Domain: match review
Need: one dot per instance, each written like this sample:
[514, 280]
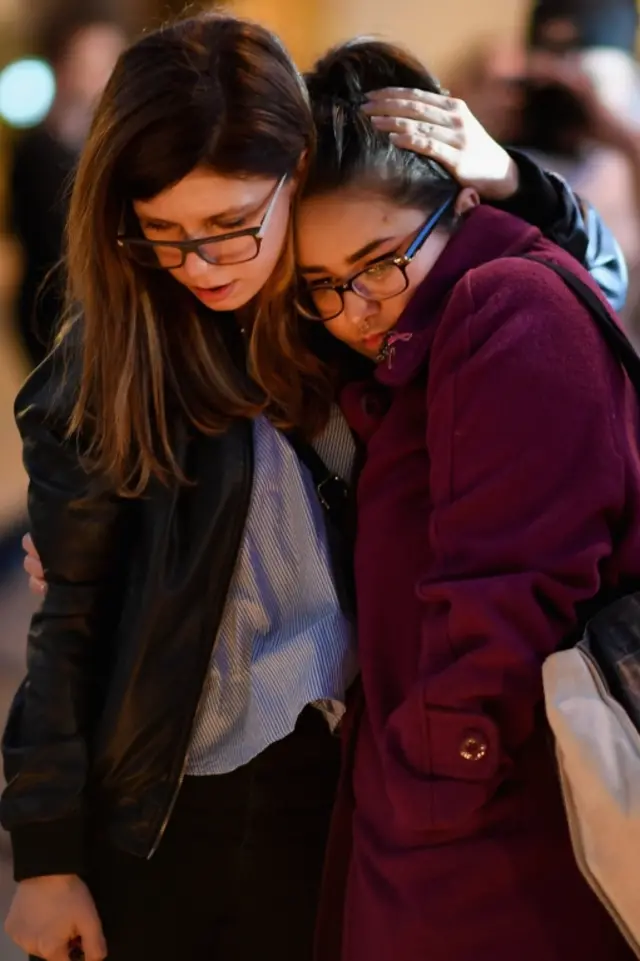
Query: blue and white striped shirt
[283, 641]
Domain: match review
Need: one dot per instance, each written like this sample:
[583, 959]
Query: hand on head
[444, 129]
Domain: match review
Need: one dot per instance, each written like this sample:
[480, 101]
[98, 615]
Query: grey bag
[592, 697]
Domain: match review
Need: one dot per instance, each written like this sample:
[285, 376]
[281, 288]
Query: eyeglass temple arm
[272, 204]
[428, 227]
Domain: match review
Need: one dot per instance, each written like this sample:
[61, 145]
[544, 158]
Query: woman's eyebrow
[352, 258]
[239, 210]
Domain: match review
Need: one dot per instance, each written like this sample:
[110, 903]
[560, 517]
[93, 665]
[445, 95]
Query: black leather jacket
[117, 656]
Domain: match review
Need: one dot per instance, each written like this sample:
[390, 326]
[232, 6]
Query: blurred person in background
[484, 79]
[82, 48]
[570, 98]
[170, 763]
[581, 111]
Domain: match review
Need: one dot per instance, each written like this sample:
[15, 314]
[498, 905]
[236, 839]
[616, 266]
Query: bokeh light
[27, 89]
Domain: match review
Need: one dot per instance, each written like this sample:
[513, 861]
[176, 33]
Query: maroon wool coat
[497, 494]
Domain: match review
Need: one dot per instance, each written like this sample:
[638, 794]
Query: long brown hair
[211, 90]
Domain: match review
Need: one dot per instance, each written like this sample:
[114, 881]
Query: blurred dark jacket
[41, 171]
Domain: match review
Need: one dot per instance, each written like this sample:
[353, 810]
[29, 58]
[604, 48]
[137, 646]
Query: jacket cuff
[48, 847]
[538, 199]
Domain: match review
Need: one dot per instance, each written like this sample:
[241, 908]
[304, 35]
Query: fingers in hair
[419, 129]
[428, 147]
[441, 100]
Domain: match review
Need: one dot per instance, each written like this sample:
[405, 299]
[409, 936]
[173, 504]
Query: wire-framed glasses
[324, 301]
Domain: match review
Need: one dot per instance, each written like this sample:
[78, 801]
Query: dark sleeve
[546, 200]
[78, 529]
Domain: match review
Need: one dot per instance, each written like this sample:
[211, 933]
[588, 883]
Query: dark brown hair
[350, 150]
[214, 91]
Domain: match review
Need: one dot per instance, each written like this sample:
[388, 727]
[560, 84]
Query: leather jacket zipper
[185, 760]
[172, 804]
[212, 629]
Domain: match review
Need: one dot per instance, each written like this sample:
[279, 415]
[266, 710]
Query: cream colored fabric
[598, 751]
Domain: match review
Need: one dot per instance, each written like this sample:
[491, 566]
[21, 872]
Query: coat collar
[486, 234]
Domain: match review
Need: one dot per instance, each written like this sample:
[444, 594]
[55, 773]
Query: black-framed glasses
[236, 247]
[324, 301]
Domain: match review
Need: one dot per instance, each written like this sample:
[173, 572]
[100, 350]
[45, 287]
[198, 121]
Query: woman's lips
[214, 295]
[374, 341]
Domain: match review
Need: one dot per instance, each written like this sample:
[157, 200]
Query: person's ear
[466, 201]
[301, 167]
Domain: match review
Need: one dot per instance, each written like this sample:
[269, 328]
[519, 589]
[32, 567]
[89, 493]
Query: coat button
[474, 747]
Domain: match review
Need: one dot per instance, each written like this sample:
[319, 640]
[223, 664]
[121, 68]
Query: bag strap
[610, 330]
[332, 491]
[624, 351]
[337, 503]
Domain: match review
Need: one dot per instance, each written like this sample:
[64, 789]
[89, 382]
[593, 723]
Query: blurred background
[556, 77]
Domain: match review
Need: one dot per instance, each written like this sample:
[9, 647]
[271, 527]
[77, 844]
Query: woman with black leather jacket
[170, 758]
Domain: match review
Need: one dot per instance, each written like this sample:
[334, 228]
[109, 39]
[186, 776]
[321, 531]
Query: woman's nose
[195, 267]
[358, 309]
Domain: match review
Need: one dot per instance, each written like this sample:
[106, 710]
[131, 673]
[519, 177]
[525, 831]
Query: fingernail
[367, 107]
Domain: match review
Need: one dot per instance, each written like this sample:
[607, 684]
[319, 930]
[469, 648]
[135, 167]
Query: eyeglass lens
[233, 250]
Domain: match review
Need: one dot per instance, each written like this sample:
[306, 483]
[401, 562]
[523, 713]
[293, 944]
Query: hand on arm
[33, 567]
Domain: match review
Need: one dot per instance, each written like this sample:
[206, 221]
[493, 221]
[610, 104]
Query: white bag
[592, 694]
[598, 752]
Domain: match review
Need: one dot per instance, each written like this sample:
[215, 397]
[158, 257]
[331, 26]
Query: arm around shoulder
[547, 201]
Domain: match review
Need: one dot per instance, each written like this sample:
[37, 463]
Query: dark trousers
[237, 874]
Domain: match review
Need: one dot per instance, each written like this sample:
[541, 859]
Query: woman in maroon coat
[501, 490]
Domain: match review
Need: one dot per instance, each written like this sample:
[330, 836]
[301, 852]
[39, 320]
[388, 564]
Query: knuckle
[46, 947]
